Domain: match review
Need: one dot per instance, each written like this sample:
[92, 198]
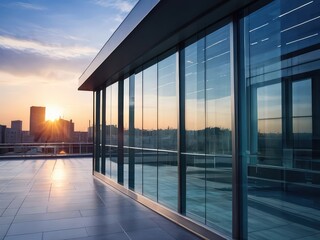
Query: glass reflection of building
[217, 128]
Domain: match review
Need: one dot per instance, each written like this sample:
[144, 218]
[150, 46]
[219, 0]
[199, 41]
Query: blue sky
[45, 45]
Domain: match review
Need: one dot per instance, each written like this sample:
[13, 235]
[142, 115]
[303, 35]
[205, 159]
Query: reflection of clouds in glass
[218, 113]
[301, 98]
[270, 126]
[269, 101]
[302, 125]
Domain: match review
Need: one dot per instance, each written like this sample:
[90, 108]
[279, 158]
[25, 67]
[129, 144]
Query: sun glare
[52, 113]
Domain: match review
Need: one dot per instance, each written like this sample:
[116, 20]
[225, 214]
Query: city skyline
[44, 47]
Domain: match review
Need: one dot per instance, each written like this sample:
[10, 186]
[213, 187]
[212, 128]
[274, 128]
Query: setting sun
[52, 113]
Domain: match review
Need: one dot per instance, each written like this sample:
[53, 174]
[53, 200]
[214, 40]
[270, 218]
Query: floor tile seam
[124, 231]
[43, 220]
[14, 217]
[78, 228]
[22, 234]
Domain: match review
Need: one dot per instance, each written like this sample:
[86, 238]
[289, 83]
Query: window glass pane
[149, 134]
[114, 131]
[208, 145]
[301, 98]
[218, 131]
[126, 112]
[138, 132]
[167, 104]
[195, 98]
[167, 132]
[126, 132]
[194, 132]
[279, 119]
[108, 131]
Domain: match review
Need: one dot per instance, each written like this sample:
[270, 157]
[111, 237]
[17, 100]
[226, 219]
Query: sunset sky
[45, 45]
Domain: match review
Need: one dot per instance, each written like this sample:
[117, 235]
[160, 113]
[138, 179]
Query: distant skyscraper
[37, 122]
[14, 134]
[2, 134]
[16, 125]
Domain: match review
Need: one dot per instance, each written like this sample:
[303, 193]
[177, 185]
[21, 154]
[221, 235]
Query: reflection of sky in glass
[270, 126]
[167, 101]
[286, 26]
[302, 125]
[114, 113]
[108, 113]
[138, 108]
[150, 98]
[301, 98]
[269, 101]
[126, 104]
[194, 86]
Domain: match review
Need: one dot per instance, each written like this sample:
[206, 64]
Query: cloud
[52, 51]
[28, 6]
[21, 68]
[122, 5]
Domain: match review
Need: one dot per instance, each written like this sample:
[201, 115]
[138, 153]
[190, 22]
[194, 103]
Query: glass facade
[227, 149]
[280, 112]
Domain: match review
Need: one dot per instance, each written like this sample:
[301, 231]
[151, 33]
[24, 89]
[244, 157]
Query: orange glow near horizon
[53, 113]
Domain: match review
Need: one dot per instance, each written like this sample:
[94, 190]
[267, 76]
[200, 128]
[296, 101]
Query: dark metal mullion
[103, 139]
[131, 159]
[120, 132]
[182, 166]
[157, 137]
[205, 125]
[94, 110]
[97, 132]
[239, 190]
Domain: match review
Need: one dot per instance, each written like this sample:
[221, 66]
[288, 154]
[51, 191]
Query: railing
[8, 150]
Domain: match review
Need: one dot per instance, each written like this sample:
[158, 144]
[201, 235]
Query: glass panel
[138, 132]
[301, 99]
[167, 132]
[126, 105]
[108, 131]
[208, 146]
[302, 123]
[279, 127]
[149, 134]
[114, 131]
[269, 108]
[126, 112]
[194, 139]
[218, 131]
[196, 187]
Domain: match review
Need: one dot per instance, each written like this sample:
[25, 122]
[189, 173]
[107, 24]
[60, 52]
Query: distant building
[14, 134]
[37, 122]
[90, 134]
[58, 131]
[26, 137]
[2, 133]
[17, 125]
[80, 136]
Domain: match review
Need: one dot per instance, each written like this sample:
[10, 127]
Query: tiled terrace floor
[59, 199]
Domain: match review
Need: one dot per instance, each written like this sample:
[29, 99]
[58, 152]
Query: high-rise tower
[37, 122]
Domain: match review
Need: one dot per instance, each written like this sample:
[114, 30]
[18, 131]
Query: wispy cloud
[122, 5]
[52, 51]
[28, 6]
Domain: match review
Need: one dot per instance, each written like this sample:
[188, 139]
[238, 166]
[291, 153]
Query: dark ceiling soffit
[162, 28]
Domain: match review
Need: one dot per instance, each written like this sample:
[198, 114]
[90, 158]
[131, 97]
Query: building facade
[37, 122]
[14, 134]
[211, 116]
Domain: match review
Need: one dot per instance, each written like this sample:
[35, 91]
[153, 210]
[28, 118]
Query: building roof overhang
[152, 27]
